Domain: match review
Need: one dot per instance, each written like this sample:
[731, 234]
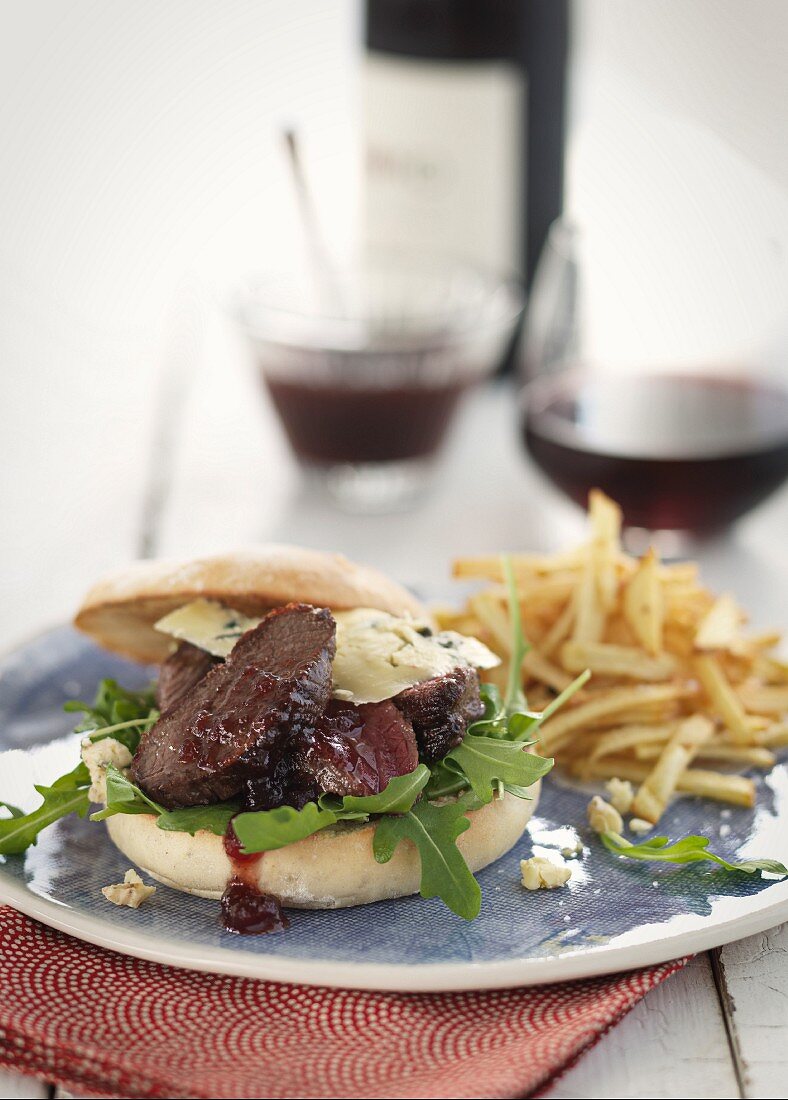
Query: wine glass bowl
[366, 375]
[685, 445]
[688, 452]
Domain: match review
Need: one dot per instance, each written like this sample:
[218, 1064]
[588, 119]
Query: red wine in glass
[333, 423]
[678, 452]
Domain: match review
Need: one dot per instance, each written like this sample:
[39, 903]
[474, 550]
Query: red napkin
[107, 1025]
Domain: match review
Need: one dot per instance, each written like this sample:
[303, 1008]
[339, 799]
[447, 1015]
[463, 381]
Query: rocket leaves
[116, 712]
[691, 849]
[483, 760]
[434, 829]
[67, 795]
[124, 797]
[264, 830]
[427, 808]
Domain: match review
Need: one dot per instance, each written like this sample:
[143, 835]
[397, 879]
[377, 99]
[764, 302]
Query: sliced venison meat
[233, 726]
[441, 710]
[353, 750]
[182, 671]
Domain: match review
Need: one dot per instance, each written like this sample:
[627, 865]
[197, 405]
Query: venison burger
[313, 742]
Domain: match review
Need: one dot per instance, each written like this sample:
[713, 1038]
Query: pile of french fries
[680, 699]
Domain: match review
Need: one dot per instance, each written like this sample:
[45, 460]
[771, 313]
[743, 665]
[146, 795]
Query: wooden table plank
[15, 1087]
[672, 1044]
[753, 975]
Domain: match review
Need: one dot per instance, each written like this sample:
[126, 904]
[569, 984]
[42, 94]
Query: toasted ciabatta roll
[120, 610]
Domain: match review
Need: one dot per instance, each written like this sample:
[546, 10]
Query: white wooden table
[109, 451]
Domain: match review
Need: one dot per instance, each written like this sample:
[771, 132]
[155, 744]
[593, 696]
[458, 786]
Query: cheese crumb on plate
[540, 873]
[604, 818]
[621, 794]
[131, 892]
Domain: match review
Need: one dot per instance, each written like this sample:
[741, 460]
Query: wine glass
[686, 426]
[368, 380]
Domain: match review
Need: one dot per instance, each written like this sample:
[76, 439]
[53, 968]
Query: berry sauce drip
[243, 862]
[245, 910]
[248, 912]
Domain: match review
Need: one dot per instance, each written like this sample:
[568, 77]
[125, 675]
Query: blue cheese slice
[207, 624]
[378, 655]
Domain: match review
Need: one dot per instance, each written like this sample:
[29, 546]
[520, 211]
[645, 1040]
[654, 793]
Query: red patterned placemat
[106, 1024]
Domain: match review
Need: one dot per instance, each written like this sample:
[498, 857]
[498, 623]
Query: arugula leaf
[396, 798]
[124, 797]
[496, 722]
[265, 830]
[445, 779]
[517, 790]
[485, 759]
[692, 849]
[112, 704]
[116, 712]
[77, 777]
[434, 830]
[128, 733]
[68, 794]
[567, 693]
[515, 696]
[520, 724]
[213, 819]
[13, 810]
[491, 753]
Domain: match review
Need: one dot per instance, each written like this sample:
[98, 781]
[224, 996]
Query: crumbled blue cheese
[97, 755]
[604, 818]
[540, 873]
[131, 892]
[621, 793]
[378, 655]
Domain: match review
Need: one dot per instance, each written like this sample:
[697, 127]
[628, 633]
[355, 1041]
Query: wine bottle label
[444, 157]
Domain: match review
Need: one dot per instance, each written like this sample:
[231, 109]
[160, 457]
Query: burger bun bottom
[331, 869]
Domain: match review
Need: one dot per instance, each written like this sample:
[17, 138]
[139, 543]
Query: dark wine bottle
[464, 104]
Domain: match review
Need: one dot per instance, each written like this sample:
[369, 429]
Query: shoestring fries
[676, 680]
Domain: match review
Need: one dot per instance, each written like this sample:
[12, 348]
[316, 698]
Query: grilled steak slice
[182, 671]
[441, 710]
[353, 750]
[234, 724]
